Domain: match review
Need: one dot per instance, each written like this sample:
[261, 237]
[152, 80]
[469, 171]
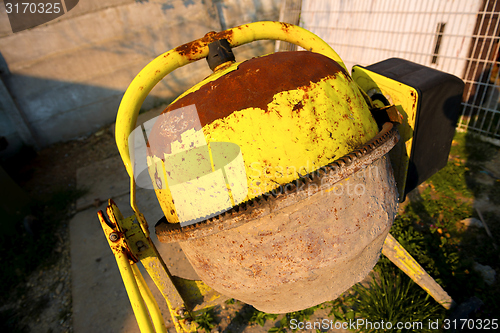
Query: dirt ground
[54, 168]
[42, 303]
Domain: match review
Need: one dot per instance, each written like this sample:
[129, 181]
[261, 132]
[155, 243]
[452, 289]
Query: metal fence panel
[460, 37]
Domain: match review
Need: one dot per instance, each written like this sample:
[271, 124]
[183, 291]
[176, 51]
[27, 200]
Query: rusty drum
[319, 196]
[304, 245]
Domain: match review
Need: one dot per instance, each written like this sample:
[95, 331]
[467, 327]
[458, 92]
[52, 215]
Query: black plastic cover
[438, 109]
[219, 52]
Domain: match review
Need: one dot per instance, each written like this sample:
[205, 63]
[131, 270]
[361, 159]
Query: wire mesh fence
[289, 13]
[460, 37]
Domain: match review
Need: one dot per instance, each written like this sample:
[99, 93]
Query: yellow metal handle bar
[164, 64]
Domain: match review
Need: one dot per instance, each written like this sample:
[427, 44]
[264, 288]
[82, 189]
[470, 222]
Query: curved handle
[167, 62]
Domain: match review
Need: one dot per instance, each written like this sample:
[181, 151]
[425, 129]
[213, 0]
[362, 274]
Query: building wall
[364, 32]
[67, 77]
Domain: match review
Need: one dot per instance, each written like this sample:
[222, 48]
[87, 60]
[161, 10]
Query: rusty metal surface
[305, 252]
[252, 85]
[288, 113]
[287, 194]
[305, 246]
[192, 49]
[387, 114]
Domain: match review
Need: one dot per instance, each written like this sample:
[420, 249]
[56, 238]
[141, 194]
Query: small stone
[101, 132]
[59, 288]
[466, 308]
[472, 222]
[486, 272]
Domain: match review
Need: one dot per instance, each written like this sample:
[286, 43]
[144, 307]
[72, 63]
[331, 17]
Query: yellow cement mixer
[274, 175]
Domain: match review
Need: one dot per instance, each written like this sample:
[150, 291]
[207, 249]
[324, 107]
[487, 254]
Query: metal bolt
[114, 237]
[181, 312]
[141, 246]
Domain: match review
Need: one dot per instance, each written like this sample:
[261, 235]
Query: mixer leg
[401, 258]
[185, 298]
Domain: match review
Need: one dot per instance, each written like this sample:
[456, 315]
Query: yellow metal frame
[130, 245]
[401, 258]
[406, 100]
[129, 238]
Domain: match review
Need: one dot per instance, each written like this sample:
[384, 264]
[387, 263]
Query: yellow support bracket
[184, 298]
[405, 99]
[396, 253]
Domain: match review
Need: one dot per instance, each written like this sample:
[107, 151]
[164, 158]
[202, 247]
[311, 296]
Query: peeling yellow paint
[287, 141]
[301, 131]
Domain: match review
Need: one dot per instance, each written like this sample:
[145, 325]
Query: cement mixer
[279, 176]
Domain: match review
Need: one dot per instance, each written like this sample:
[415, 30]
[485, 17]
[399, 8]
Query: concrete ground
[100, 302]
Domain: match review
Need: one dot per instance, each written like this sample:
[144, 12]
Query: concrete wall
[67, 77]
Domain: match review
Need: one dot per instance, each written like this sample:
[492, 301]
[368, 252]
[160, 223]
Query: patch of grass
[206, 321]
[474, 152]
[393, 297]
[436, 247]
[260, 317]
[430, 230]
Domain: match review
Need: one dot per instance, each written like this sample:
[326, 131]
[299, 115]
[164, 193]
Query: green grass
[393, 297]
[206, 321]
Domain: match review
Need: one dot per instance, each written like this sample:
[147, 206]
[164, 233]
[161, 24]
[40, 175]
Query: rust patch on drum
[252, 85]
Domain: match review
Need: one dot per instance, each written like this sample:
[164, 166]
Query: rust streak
[191, 49]
[250, 87]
